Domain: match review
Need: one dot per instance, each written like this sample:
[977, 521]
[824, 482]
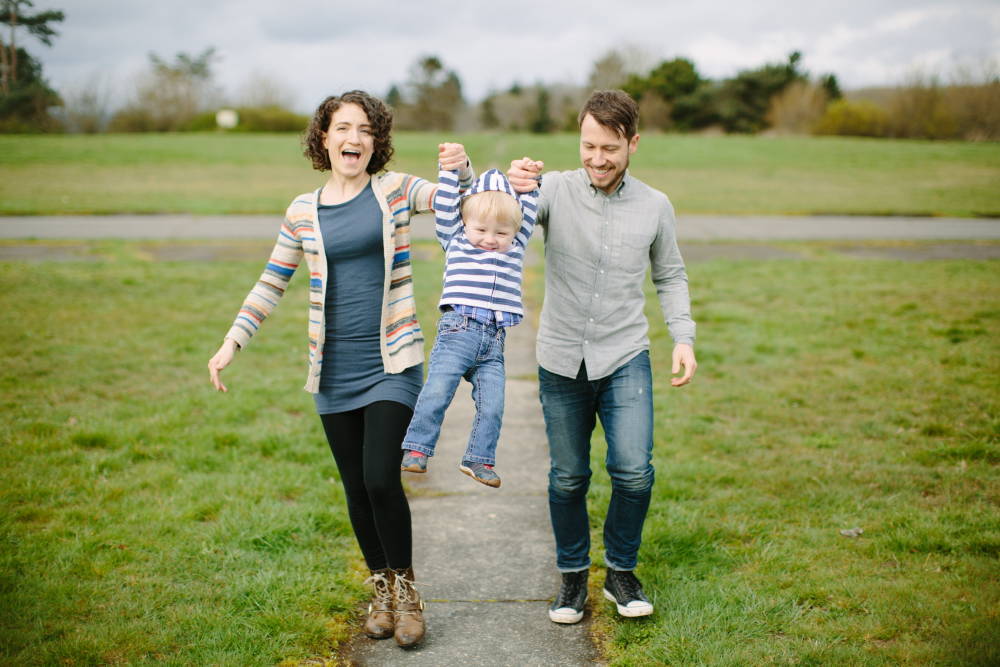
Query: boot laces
[406, 591]
[380, 583]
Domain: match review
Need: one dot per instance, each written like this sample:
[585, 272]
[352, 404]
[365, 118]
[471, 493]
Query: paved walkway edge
[485, 558]
[690, 227]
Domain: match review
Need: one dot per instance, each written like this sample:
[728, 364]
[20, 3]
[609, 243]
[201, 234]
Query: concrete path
[689, 227]
[485, 558]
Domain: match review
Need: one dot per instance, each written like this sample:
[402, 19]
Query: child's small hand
[452, 156]
[524, 174]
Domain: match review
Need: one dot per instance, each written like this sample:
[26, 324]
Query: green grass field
[146, 519]
[218, 174]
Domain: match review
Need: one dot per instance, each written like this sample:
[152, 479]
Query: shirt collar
[618, 190]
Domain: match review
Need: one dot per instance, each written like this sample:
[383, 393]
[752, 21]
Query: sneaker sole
[560, 616]
[412, 469]
[494, 483]
[630, 612]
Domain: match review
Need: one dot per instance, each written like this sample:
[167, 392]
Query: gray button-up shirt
[598, 248]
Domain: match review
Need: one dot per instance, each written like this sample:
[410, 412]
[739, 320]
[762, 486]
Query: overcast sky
[320, 48]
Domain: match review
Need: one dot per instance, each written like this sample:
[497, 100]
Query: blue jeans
[624, 403]
[464, 348]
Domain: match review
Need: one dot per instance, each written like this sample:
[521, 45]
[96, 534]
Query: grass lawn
[832, 394]
[218, 174]
[144, 518]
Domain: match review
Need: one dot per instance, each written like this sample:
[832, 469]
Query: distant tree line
[781, 97]
[673, 96]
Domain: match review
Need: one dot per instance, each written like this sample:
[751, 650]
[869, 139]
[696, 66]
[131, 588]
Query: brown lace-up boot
[408, 609]
[380, 622]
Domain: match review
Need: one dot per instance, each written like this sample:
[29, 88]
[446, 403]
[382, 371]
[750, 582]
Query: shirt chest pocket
[632, 250]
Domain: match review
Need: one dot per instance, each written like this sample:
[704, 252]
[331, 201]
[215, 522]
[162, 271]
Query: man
[603, 230]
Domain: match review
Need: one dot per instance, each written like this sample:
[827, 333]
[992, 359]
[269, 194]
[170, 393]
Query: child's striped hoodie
[474, 277]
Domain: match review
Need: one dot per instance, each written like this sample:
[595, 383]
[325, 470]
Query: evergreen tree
[541, 121]
[742, 102]
[432, 99]
[25, 96]
[488, 114]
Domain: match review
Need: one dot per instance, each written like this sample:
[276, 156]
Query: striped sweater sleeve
[529, 212]
[270, 287]
[422, 193]
[447, 220]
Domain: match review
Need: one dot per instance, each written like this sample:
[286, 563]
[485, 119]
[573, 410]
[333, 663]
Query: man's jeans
[465, 348]
[624, 402]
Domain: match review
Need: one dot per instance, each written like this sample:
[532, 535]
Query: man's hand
[683, 356]
[524, 174]
[452, 156]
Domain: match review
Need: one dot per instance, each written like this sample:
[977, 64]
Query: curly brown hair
[379, 116]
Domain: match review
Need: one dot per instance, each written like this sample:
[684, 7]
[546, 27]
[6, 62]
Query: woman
[365, 345]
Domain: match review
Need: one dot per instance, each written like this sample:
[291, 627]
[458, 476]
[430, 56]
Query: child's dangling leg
[413, 461]
[453, 353]
[488, 392]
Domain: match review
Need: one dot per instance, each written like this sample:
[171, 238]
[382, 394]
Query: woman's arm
[261, 300]
[421, 192]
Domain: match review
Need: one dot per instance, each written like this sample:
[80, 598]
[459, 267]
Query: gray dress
[353, 374]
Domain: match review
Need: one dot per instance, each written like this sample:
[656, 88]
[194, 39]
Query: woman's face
[349, 141]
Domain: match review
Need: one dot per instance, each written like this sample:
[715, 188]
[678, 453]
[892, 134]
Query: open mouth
[351, 156]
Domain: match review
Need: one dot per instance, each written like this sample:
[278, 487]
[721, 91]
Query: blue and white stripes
[474, 276]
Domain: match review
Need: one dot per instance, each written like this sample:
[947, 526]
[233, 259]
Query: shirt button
[586, 342]
[597, 296]
[591, 319]
[602, 271]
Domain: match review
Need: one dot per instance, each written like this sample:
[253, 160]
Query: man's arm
[670, 279]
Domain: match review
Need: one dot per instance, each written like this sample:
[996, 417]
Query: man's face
[604, 154]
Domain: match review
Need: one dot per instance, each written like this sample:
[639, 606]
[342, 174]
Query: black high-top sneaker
[622, 588]
[568, 605]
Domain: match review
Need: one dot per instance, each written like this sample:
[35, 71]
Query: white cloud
[318, 47]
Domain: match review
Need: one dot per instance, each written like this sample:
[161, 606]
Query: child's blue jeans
[465, 348]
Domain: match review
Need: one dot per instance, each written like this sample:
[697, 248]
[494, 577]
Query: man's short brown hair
[613, 109]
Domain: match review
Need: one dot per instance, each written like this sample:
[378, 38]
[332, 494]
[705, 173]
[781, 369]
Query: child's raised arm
[446, 218]
[529, 211]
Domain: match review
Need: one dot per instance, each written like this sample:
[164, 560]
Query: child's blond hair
[492, 205]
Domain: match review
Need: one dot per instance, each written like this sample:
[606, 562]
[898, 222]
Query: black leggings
[366, 445]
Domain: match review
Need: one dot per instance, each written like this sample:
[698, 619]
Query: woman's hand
[221, 359]
[524, 174]
[452, 156]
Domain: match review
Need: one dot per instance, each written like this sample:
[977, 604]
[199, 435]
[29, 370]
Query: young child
[484, 234]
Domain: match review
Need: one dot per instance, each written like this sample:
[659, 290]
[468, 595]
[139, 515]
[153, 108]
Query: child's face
[489, 234]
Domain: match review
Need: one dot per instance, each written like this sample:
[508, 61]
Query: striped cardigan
[401, 340]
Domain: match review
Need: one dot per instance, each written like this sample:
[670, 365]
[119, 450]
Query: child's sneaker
[413, 461]
[481, 472]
